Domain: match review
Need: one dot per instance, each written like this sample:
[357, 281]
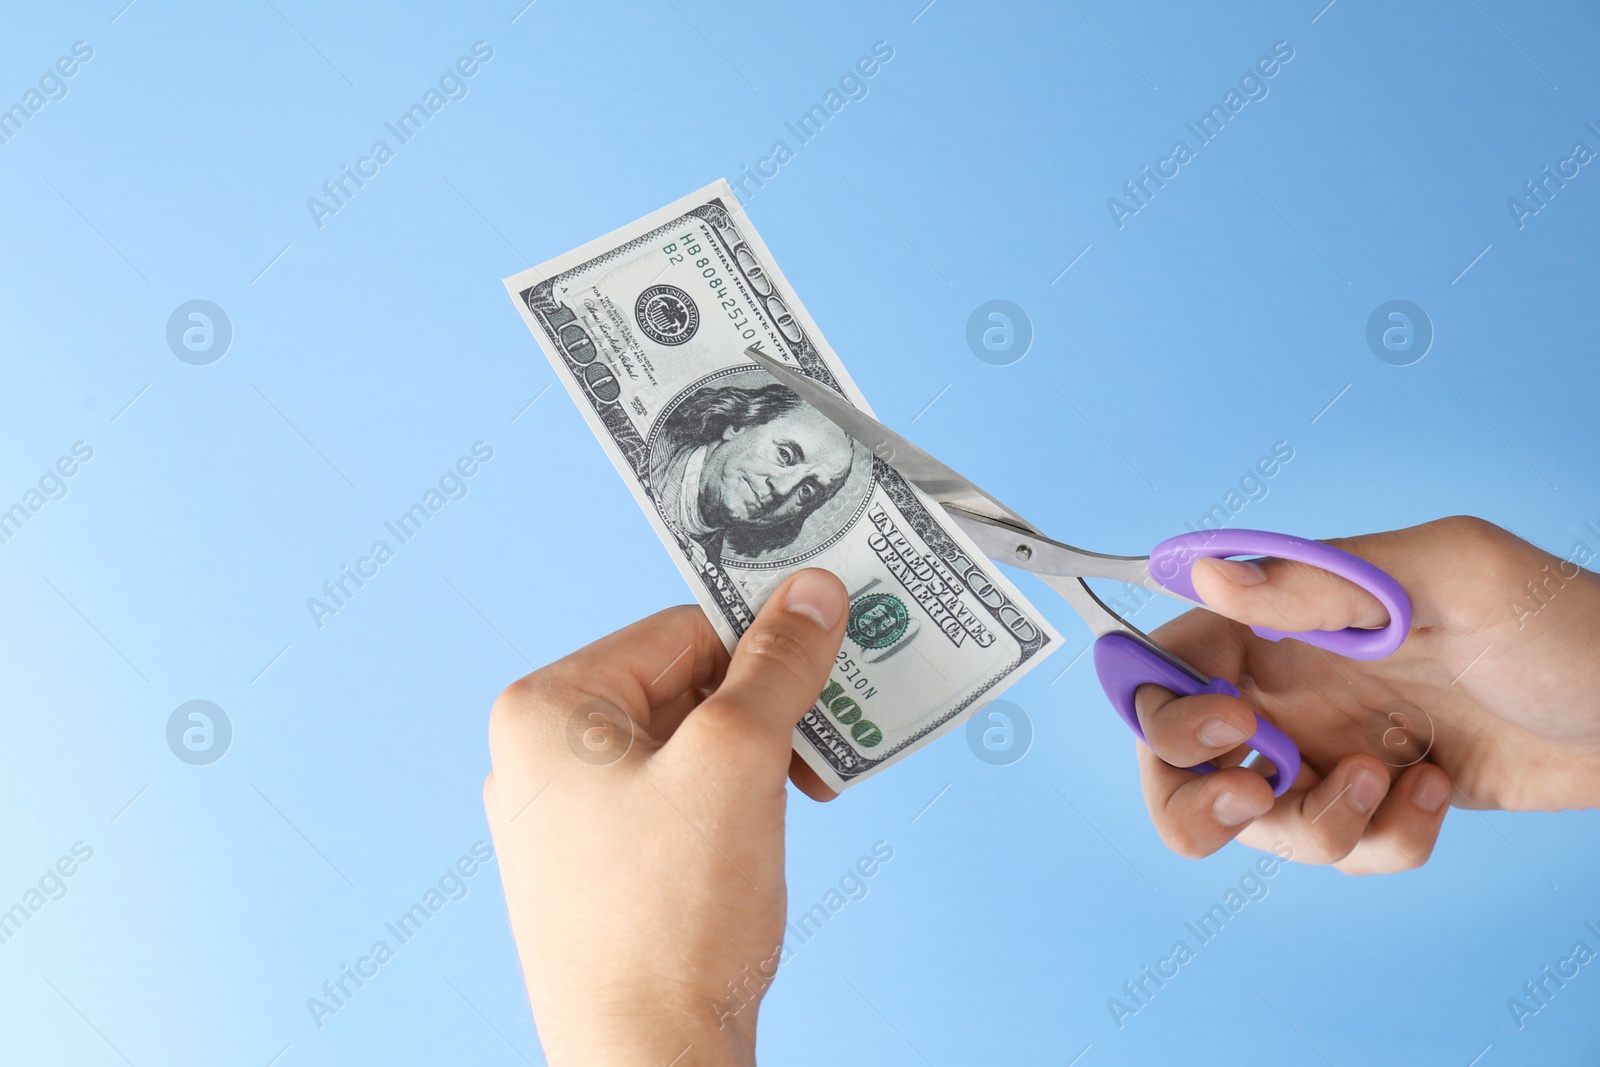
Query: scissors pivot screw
[1024, 553]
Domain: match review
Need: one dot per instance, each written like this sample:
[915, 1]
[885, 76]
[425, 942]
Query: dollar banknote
[646, 327]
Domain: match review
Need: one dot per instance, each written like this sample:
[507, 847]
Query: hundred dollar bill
[646, 327]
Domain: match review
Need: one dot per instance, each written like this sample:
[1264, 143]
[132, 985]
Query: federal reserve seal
[877, 620]
[667, 314]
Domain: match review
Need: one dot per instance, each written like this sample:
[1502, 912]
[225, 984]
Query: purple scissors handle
[1172, 564]
[1124, 663]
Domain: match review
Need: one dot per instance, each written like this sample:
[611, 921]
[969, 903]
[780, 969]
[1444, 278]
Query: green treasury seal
[877, 620]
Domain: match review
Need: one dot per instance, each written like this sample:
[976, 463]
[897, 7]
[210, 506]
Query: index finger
[639, 668]
[1196, 814]
[1285, 595]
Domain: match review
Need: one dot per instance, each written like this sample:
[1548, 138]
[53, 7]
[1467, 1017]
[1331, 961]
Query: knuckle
[1476, 537]
[1374, 857]
[1360, 868]
[725, 736]
[1478, 543]
[1324, 600]
[1158, 738]
[514, 704]
[1176, 738]
[1149, 698]
[679, 616]
[1159, 723]
[1411, 853]
[725, 729]
[775, 646]
[1470, 531]
[1330, 843]
[1193, 850]
[1185, 840]
[1174, 745]
[520, 716]
[1492, 559]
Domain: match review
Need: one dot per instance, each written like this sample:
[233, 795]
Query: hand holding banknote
[647, 329]
[637, 804]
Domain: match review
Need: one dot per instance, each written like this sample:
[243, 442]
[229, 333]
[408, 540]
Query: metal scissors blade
[988, 522]
[919, 468]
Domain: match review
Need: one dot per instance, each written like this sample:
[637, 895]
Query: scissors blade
[934, 478]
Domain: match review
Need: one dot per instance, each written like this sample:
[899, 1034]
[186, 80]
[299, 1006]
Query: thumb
[1285, 595]
[778, 668]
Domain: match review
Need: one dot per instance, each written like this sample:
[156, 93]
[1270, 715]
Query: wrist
[654, 1026]
[652, 1038]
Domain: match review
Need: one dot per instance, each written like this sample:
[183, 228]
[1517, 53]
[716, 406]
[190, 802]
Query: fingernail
[1366, 789]
[817, 596]
[1231, 809]
[1239, 571]
[1430, 792]
[1217, 733]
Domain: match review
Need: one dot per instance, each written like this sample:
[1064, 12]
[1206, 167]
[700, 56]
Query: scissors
[1124, 656]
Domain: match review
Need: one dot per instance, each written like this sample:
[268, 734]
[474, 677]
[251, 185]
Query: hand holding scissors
[1125, 657]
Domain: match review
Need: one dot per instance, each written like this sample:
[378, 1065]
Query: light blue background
[379, 347]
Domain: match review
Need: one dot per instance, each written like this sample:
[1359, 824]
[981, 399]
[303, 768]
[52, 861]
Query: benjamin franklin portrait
[739, 464]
